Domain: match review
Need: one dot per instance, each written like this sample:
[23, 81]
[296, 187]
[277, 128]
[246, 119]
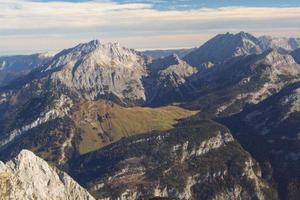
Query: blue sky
[46, 25]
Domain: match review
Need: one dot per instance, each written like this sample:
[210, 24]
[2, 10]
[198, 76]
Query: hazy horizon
[30, 26]
[55, 51]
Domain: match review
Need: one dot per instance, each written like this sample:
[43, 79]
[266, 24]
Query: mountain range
[214, 122]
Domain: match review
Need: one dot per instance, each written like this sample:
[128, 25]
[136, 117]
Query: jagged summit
[30, 177]
[96, 45]
[241, 35]
[96, 51]
[223, 47]
[95, 70]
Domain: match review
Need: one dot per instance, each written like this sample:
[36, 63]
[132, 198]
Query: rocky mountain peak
[236, 36]
[95, 70]
[24, 157]
[223, 47]
[246, 44]
[30, 177]
[94, 52]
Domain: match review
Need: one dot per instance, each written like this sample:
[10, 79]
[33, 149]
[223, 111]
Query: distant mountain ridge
[168, 52]
[12, 67]
[288, 44]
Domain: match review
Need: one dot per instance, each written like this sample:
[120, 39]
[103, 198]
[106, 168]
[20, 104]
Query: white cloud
[53, 25]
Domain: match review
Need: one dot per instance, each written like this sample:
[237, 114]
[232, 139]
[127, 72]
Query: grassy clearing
[102, 123]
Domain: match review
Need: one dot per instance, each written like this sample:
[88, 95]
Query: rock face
[12, 67]
[223, 47]
[273, 127]
[29, 177]
[288, 44]
[94, 70]
[200, 161]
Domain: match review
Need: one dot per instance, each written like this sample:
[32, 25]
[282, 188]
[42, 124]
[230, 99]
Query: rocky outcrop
[200, 161]
[29, 177]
